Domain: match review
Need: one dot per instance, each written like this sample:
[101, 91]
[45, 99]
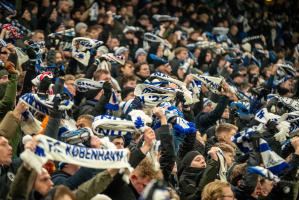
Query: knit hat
[139, 52]
[120, 50]
[79, 26]
[187, 160]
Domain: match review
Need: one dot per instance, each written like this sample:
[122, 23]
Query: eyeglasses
[4, 52]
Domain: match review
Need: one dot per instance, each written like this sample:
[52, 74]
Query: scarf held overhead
[51, 149]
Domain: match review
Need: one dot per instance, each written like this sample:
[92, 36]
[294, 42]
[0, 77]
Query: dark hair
[138, 66]
[126, 79]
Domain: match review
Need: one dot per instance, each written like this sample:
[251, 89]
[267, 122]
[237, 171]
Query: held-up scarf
[180, 84]
[271, 160]
[287, 124]
[44, 106]
[212, 83]
[51, 149]
[81, 47]
[114, 126]
[223, 165]
[290, 103]
[84, 85]
[151, 95]
[263, 172]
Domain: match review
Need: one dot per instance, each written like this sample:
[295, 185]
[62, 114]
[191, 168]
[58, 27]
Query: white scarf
[212, 83]
[286, 124]
[81, 47]
[110, 125]
[223, 165]
[181, 85]
[149, 95]
[51, 149]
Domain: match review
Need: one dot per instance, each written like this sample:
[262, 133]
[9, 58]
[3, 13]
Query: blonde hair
[145, 169]
[213, 190]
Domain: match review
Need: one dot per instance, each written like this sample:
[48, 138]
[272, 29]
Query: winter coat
[7, 176]
[205, 120]
[8, 101]
[24, 181]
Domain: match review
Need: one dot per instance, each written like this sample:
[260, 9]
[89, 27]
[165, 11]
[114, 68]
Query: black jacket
[205, 120]
[7, 175]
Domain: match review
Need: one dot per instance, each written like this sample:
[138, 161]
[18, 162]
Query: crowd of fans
[203, 94]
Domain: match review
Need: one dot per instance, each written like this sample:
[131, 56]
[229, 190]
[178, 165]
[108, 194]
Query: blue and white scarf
[114, 126]
[81, 49]
[181, 85]
[263, 172]
[212, 83]
[51, 149]
[242, 139]
[176, 117]
[271, 160]
[290, 103]
[44, 106]
[152, 94]
[84, 85]
[287, 124]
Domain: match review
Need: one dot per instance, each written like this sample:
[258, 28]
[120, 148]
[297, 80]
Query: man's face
[65, 6]
[138, 182]
[5, 152]
[131, 83]
[129, 35]
[94, 34]
[113, 43]
[166, 69]
[105, 77]
[227, 135]
[183, 55]
[129, 96]
[58, 57]
[128, 70]
[43, 183]
[198, 162]
[141, 58]
[38, 37]
[144, 71]
[4, 53]
[83, 122]
[119, 143]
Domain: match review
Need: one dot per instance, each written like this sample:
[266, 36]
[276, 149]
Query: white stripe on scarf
[51, 149]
